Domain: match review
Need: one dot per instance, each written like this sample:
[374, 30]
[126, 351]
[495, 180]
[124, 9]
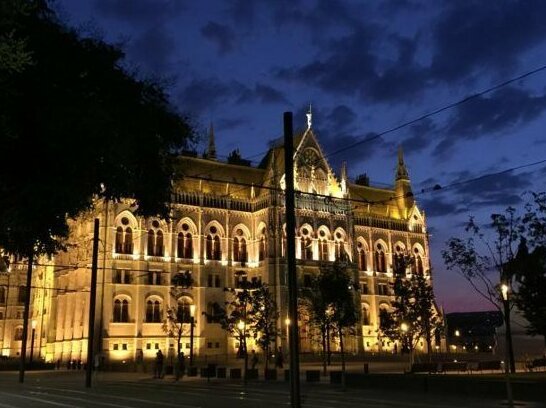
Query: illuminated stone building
[227, 225]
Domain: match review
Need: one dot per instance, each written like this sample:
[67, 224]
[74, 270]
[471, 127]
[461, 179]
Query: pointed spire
[211, 150]
[401, 170]
[309, 115]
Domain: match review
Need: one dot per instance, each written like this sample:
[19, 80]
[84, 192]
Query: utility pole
[25, 316]
[291, 260]
[92, 303]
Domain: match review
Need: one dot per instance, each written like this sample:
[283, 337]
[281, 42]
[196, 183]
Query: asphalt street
[121, 390]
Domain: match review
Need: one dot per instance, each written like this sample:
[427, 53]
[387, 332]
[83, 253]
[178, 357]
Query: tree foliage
[253, 305]
[73, 121]
[413, 314]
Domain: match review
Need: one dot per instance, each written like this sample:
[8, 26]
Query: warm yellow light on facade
[192, 310]
[287, 321]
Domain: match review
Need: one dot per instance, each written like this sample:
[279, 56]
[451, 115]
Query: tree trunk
[428, 340]
[324, 357]
[328, 350]
[342, 358]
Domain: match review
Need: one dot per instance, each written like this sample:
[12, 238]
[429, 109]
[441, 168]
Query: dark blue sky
[365, 67]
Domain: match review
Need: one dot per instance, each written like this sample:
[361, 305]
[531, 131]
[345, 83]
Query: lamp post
[404, 328]
[508, 364]
[192, 325]
[241, 325]
[34, 322]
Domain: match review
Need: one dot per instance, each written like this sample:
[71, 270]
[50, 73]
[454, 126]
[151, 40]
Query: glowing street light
[457, 333]
[404, 327]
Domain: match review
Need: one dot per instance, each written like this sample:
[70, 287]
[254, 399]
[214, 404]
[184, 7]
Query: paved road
[116, 390]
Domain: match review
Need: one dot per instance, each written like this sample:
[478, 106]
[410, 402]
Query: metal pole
[291, 260]
[509, 345]
[92, 305]
[508, 362]
[192, 325]
[25, 317]
[31, 348]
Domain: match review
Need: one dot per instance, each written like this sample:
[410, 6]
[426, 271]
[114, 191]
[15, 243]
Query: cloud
[262, 93]
[153, 49]
[219, 34]
[420, 136]
[481, 117]
[140, 11]
[230, 123]
[477, 35]
[204, 93]
[341, 117]
[350, 67]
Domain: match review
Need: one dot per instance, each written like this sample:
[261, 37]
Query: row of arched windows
[380, 258]
[154, 311]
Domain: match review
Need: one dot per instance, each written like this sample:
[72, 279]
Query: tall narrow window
[323, 247]
[188, 246]
[128, 241]
[362, 264]
[21, 294]
[159, 248]
[380, 262]
[121, 311]
[153, 311]
[262, 249]
[236, 252]
[2, 295]
[209, 247]
[183, 311]
[119, 240]
[217, 254]
[306, 249]
[365, 316]
[419, 264]
[151, 242]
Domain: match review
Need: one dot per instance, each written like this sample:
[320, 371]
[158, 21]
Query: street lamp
[33, 323]
[192, 325]
[509, 356]
[241, 325]
[287, 323]
[457, 333]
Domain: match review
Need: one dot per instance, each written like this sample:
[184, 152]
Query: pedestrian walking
[180, 366]
[158, 365]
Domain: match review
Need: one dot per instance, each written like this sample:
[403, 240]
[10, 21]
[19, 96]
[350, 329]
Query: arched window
[306, 248]
[151, 242]
[380, 259]
[121, 311]
[155, 240]
[119, 240]
[184, 245]
[209, 247]
[217, 252]
[419, 264]
[366, 315]
[18, 335]
[362, 263]
[153, 311]
[128, 241]
[262, 249]
[239, 250]
[399, 262]
[183, 312]
[339, 246]
[188, 246]
[323, 249]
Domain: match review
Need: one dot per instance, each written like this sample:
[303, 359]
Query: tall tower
[211, 150]
[402, 186]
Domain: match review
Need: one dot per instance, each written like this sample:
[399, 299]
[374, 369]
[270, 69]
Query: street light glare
[404, 327]
[241, 325]
[504, 291]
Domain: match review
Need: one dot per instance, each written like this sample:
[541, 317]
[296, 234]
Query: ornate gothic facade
[227, 225]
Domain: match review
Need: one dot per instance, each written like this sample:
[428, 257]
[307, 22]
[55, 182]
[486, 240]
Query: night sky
[365, 67]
